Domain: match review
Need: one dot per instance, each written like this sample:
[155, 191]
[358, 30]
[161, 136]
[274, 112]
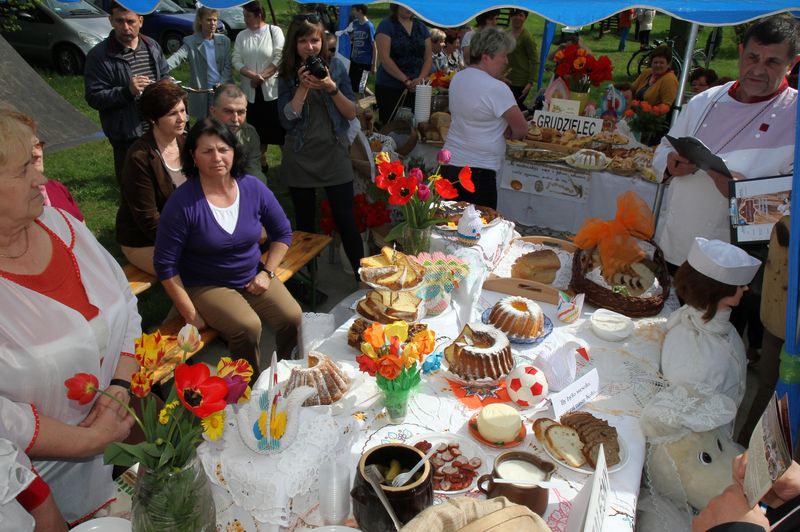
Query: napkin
[559, 366]
[569, 309]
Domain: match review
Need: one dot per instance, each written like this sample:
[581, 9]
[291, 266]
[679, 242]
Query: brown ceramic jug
[534, 497]
[407, 501]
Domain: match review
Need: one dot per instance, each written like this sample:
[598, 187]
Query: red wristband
[34, 495]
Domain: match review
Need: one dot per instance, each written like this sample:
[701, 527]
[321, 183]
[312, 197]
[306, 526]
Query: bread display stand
[602, 297]
[525, 287]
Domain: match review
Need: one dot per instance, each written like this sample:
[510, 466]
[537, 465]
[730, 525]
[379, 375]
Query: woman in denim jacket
[315, 112]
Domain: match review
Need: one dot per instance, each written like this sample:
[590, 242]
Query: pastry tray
[524, 287]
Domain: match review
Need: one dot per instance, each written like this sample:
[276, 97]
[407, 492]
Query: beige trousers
[142, 258]
[238, 315]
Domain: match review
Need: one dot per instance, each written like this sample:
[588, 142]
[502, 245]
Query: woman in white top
[702, 344]
[65, 308]
[256, 55]
[484, 114]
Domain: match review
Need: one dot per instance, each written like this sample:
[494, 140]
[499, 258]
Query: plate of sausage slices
[457, 462]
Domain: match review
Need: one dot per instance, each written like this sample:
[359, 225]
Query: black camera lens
[316, 66]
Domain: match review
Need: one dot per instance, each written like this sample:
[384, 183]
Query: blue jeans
[623, 36]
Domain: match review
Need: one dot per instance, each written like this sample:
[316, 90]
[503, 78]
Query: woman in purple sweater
[207, 255]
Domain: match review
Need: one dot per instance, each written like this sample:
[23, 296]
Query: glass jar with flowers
[581, 71]
[646, 120]
[418, 197]
[440, 81]
[172, 490]
[395, 360]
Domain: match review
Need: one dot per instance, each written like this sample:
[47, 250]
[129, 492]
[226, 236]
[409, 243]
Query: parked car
[231, 17]
[59, 33]
[167, 24]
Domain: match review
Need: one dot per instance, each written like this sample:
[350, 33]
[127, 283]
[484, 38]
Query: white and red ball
[526, 385]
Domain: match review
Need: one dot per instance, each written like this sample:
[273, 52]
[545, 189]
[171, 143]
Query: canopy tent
[59, 124]
[705, 12]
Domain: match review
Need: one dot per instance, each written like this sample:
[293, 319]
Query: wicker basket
[601, 297]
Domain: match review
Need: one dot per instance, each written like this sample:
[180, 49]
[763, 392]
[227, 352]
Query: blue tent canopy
[450, 13]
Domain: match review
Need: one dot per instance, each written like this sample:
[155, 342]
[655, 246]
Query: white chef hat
[722, 262]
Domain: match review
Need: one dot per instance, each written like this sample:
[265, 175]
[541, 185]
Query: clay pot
[407, 501]
[533, 497]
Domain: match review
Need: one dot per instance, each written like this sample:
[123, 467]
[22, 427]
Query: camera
[316, 66]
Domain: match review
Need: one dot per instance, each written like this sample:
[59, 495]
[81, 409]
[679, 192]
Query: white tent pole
[676, 106]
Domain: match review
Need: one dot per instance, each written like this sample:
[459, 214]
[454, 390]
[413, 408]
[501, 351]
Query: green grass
[88, 169]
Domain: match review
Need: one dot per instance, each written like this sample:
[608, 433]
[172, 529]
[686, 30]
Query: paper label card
[590, 505]
[583, 125]
[569, 107]
[576, 394]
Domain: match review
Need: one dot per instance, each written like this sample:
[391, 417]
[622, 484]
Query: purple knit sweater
[191, 243]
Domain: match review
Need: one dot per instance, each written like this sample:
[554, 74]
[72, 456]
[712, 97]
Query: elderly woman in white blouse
[209, 56]
[256, 55]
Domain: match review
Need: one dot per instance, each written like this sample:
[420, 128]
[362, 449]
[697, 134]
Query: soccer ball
[526, 385]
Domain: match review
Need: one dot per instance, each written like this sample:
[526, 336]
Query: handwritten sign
[543, 179]
[568, 107]
[590, 506]
[583, 125]
[576, 394]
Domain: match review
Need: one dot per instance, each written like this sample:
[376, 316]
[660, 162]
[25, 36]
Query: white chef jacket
[711, 352]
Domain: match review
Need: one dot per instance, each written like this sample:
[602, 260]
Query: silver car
[59, 33]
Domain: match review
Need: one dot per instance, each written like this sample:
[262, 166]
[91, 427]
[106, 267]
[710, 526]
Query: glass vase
[175, 500]
[396, 403]
[414, 240]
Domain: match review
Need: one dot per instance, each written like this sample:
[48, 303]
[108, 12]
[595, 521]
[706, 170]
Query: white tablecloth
[628, 378]
[596, 199]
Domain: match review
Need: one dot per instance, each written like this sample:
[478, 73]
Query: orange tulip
[141, 383]
[646, 107]
[579, 63]
[425, 341]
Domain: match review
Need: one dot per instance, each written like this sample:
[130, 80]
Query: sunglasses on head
[307, 17]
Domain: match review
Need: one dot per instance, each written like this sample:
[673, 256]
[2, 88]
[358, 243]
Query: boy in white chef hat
[701, 344]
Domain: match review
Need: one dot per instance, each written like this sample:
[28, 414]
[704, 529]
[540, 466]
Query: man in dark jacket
[117, 70]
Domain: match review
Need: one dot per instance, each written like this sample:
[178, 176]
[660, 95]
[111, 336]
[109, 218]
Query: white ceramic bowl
[611, 326]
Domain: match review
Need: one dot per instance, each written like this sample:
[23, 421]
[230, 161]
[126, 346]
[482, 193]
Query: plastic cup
[334, 493]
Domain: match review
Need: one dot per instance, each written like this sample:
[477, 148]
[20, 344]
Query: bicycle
[641, 58]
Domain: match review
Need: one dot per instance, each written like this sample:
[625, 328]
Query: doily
[264, 485]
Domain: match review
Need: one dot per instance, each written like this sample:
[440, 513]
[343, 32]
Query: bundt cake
[480, 352]
[328, 380]
[518, 316]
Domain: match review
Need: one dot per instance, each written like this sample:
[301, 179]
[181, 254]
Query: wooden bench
[304, 249]
[138, 280]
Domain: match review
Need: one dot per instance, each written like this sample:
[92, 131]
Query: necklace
[24, 251]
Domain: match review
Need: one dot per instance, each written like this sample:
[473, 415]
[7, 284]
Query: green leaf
[396, 232]
[125, 454]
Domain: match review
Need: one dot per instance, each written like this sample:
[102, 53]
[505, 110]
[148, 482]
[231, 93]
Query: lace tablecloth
[628, 378]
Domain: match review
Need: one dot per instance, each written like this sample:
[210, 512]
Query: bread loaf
[540, 266]
[540, 426]
[568, 444]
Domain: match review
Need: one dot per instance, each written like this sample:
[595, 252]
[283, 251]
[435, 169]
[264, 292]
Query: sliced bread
[568, 444]
[541, 425]
[611, 451]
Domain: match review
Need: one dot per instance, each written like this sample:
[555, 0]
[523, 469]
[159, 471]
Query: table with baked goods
[250, 495]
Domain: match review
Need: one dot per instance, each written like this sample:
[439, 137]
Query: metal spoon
[374, 477]
[402, 478]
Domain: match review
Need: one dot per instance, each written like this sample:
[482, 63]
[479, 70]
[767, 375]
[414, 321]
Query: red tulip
[199, 392]
[388, 173]
[446, 189]
[402, 190]
[367, 364]
[82, 387]
[141, 383]
[465, 178]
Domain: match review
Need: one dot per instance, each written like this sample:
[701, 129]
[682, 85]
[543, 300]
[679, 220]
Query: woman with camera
[316, 104]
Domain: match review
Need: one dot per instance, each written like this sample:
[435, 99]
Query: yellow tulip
[368, 350]
[382, 157]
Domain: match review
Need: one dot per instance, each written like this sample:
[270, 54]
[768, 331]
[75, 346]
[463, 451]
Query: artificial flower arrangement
[441, 80]
[418, 197]
[366, 213]
[580, 69]
[646, 119]
[195, 405]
